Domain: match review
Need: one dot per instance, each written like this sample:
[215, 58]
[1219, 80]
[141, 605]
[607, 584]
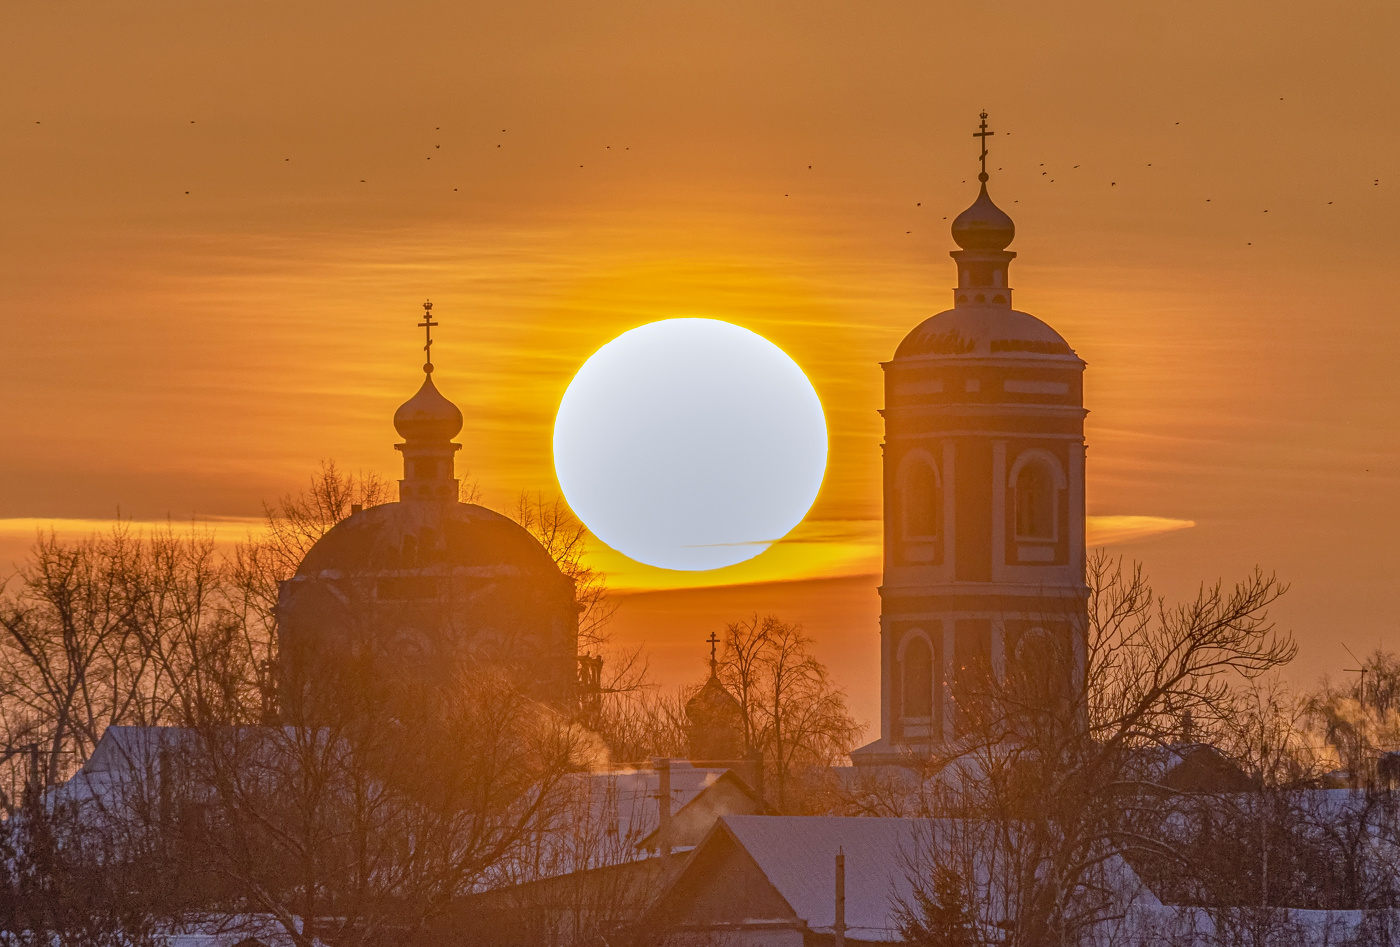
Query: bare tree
[298, 520]
[1360, 720]
[348, 822]
[550, 521]
[100, 632]
[352, 821]
[65, 880]
[639, 723]
[792, 712]
[1062, 770]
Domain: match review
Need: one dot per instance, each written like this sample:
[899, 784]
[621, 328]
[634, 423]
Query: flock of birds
[438, 146]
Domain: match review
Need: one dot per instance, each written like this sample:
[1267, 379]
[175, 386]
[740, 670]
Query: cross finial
[982, 134]
[427, 326]
[714, 643]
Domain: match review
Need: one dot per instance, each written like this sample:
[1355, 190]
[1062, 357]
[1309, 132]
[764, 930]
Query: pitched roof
[603, 818]
[796, 855]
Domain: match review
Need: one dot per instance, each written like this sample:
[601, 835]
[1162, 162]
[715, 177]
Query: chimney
[663, 799]
[839, 928]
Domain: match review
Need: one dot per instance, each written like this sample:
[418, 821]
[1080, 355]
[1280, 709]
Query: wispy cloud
[1120, 530]
[816, 549]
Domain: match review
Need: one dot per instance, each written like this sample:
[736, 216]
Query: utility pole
[663, 800]
[839, 927]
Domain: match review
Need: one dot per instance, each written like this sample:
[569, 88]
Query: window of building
[918, 678]
[923, 502]
[1035, 503]
[972, 688]
[1040, 667]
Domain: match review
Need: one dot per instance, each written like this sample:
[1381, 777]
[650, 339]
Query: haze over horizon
[219, 223]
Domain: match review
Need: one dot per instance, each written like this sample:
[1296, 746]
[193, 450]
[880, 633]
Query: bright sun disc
[690, 444]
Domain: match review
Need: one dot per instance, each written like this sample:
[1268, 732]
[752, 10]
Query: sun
[690, 444]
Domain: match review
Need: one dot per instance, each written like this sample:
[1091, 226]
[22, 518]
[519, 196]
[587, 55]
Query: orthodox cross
[427, 326]
[714, 641]
[983, 135]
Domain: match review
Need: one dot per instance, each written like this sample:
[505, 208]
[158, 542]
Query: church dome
[428, 416]
[429, 538]
[415, 592]
[984, 225]
[425, 587]
[983, 331]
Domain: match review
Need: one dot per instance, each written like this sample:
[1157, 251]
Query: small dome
[981, 331]
[984, 225]
[428, 416]
[714, 722]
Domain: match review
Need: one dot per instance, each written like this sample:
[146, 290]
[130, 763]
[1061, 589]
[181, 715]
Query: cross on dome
[427, 325]
[984, 225]
[982, 134]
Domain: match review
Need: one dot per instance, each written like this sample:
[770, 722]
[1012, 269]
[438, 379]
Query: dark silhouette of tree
[792, 713]
[1058, 776]
[941, 913]
[553, 524]
[65, 879]
[103, 631]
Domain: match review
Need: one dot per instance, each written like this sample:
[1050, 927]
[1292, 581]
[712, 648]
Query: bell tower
[983, 502]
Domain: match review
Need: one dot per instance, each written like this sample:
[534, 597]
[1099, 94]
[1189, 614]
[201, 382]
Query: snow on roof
[797, 856]
[627, 803]
[603, 817]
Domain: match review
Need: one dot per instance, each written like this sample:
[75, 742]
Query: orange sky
[552, 174]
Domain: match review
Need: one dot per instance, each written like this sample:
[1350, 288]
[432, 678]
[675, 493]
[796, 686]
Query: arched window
[923, 502]
[1041, 669]
[1035, 503]
[918, 678]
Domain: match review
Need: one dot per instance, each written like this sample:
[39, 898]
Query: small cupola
[428, 422]
[714, 727]
[984, 225]
[983, 231]
[428, 416]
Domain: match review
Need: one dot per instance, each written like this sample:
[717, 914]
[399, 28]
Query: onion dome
[428, 416]
[984, 225]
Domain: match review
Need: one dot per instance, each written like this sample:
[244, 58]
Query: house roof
[796, 855]
[628, 801]
[604, 818]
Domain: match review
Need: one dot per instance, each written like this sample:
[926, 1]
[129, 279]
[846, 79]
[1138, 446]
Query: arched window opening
[1035, 503]
[918, 678]
[1041, 668]
[923, 502]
